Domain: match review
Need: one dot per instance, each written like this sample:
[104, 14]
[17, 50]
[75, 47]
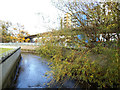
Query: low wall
[25, 47]
[8, 66]
[20, 44]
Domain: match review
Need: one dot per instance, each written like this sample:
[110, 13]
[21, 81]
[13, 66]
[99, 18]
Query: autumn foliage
[16, 34]
[95, 63]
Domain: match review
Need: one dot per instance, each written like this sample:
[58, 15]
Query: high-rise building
[67, 21]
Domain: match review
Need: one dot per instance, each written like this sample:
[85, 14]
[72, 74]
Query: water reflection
[32, 74]
[32, 71]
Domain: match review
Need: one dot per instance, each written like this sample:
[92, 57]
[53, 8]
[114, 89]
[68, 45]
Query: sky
[30, 13]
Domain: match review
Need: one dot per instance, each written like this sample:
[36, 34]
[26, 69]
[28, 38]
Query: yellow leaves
[15, 28]
[93, 62]
[52, 72]
[23, 39]
[26, 40]
[111, 26]
[91, 76]
[11, 37]
[15, 38]
[18, 35]
[50, 36]
[83, 63]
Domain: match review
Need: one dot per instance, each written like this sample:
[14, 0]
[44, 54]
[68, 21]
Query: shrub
[98, 65]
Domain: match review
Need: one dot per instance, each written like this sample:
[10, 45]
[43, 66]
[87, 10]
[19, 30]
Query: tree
[5, 34]
[94, 64]
[12, 33]
[92, 19]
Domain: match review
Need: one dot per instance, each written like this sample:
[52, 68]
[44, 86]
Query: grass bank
[3, 50]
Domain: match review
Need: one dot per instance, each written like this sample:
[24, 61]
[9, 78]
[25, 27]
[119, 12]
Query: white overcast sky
[25, 13]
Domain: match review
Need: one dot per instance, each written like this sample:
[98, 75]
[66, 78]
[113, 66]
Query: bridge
[37, 35]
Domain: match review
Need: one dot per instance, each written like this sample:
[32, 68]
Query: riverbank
[92, 66]
[70, 83]
[8, 65]
[32, 65]
[85, 66]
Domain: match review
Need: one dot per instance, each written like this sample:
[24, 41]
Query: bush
[98, 65]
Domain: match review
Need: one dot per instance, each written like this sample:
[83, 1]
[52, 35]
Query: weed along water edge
[32, 73]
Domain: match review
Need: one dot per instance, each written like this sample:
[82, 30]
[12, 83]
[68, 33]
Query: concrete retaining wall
[8, 67]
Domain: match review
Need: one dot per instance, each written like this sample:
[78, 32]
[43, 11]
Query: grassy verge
[3, 50]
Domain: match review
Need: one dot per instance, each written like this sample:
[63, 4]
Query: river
[31, 73]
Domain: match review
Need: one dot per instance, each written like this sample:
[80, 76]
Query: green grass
[3, 50]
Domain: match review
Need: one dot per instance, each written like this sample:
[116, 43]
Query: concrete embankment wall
[8, 66]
